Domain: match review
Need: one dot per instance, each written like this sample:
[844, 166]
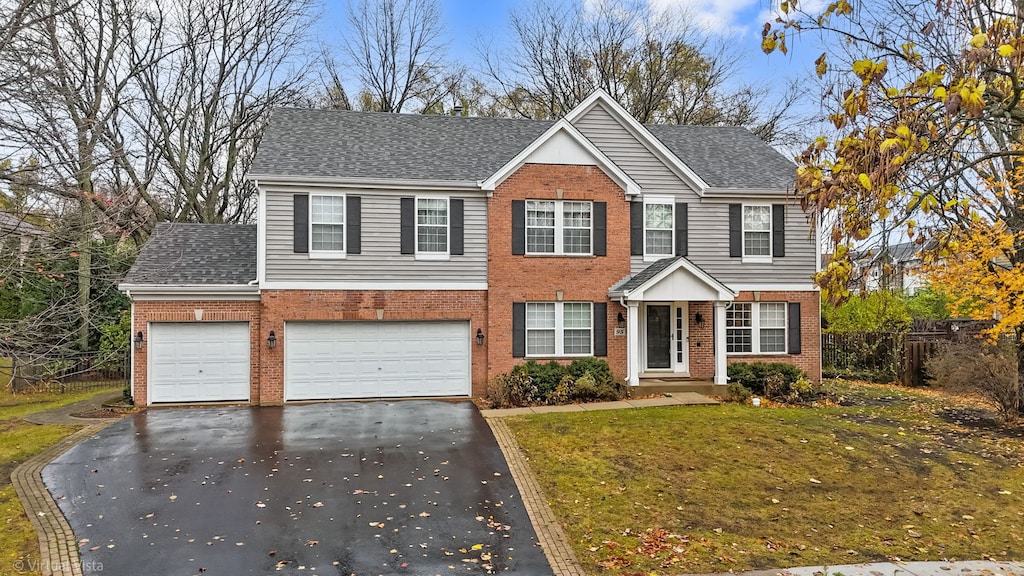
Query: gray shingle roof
[343, 144]
[12, 224]
[727, 156]
[196, 254]
[644, 275]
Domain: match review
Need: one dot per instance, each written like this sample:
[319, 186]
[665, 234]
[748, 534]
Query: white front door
[666, 337]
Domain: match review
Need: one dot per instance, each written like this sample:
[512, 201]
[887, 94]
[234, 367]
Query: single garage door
[198, 361]
[376, 359]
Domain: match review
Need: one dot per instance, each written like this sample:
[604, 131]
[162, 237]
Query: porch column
[721, 370]
[633, 343]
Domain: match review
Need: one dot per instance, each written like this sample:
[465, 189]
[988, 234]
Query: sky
[737, 22]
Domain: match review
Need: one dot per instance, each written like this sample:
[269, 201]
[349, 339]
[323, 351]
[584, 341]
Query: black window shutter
[600, 328]
[300, 223]
[519, 329]
[456, 209]
[354, 225]
[408, 217]
[519, 227]
[600, 228]
[636, 228]
[794, 328]
[778, 229]
[682, 229]
[735, 230]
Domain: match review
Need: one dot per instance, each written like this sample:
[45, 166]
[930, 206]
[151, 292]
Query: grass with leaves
[19, 441]
[886, 474]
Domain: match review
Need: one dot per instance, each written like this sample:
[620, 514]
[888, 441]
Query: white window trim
[758, 259]
[420, 255]
[755, 330]
[559, 229]
[672, 227]
[328, 254]
[560, 332]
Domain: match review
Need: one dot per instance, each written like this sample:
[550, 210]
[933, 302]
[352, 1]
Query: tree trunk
[85, 273]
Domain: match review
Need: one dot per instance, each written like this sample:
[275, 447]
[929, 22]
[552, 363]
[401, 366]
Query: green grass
[5, 372]
[20, 440]
[901, 475]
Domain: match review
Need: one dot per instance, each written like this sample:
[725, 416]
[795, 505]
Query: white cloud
[721, 17]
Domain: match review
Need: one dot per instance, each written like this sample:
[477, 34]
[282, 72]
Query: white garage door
[376, 359]
[198, 361]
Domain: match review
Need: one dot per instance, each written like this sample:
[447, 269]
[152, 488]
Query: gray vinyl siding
[709, 246]
[381, 258]
[630, 155]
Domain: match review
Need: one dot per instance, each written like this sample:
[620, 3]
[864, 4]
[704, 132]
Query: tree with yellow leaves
[926, 99]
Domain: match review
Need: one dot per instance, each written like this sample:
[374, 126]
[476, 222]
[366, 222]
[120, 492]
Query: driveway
[412, 487]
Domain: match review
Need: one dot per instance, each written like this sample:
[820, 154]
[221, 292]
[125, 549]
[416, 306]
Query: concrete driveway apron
[411, 487]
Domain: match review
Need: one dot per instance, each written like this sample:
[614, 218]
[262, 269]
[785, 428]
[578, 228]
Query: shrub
[974, 365]
[597, 367]
[586, 388]
[772, 380]
[511, 390]
[739, 393]
[544, 376]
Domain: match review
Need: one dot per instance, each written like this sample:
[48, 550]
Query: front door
[659, 336]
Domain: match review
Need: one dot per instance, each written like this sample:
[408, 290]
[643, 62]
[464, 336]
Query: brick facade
[280, 306]
[539, 278]
[809, 360]
[147, 312]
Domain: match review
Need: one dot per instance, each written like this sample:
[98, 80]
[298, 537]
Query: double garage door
[209, 361]
[325, 360]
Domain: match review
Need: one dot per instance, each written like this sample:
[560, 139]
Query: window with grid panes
[559, 328]
[757, 230]
[327, 223]
[432, 225]
[659, 221]
[755, 328]
[559, 227]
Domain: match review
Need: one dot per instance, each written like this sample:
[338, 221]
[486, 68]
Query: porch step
[669, 385]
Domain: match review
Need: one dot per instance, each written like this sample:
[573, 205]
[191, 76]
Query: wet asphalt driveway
[413, 487]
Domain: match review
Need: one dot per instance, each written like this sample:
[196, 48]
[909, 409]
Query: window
[659, 222]
[327, 223]
[432, 226]
[559, 328]
[558, 227]
[755, 328]
[757, 231]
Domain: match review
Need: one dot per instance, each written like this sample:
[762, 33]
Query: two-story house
[410, 256]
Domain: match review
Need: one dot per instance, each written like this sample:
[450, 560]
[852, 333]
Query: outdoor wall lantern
[479, 336]
[272, 340]
[139, 342]
[699, 319]
[621, 320]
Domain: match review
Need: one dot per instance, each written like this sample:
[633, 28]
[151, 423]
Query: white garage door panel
[376, 359]
[198, 362]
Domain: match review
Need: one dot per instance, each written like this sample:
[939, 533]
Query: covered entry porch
[676, 322]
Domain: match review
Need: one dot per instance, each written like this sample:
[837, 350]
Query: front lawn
[19, 441]
[900, 475]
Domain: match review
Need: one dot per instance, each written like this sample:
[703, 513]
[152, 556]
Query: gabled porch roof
[672, 279]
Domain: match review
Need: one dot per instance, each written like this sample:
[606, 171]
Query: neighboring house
[17, 234]
[895, 267]
[402, 256]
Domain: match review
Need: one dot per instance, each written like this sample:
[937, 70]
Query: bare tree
[396, 49]
[218, 69]
[660, 67]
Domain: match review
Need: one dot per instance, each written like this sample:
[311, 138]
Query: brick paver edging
[549, 532]
[57, 544]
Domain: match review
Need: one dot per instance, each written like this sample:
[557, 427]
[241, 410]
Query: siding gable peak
[600, 100]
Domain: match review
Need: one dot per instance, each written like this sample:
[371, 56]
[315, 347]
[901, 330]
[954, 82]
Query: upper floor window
[659, 224]
[327, 223]
[559, 328]
[756, 328]
[757, 230]
[558, 227]
[432, 226]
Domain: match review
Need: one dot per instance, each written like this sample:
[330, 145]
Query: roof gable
[562, 143]
[669, 277]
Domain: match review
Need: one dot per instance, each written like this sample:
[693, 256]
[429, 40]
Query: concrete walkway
[63, 416]
[677, 399]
